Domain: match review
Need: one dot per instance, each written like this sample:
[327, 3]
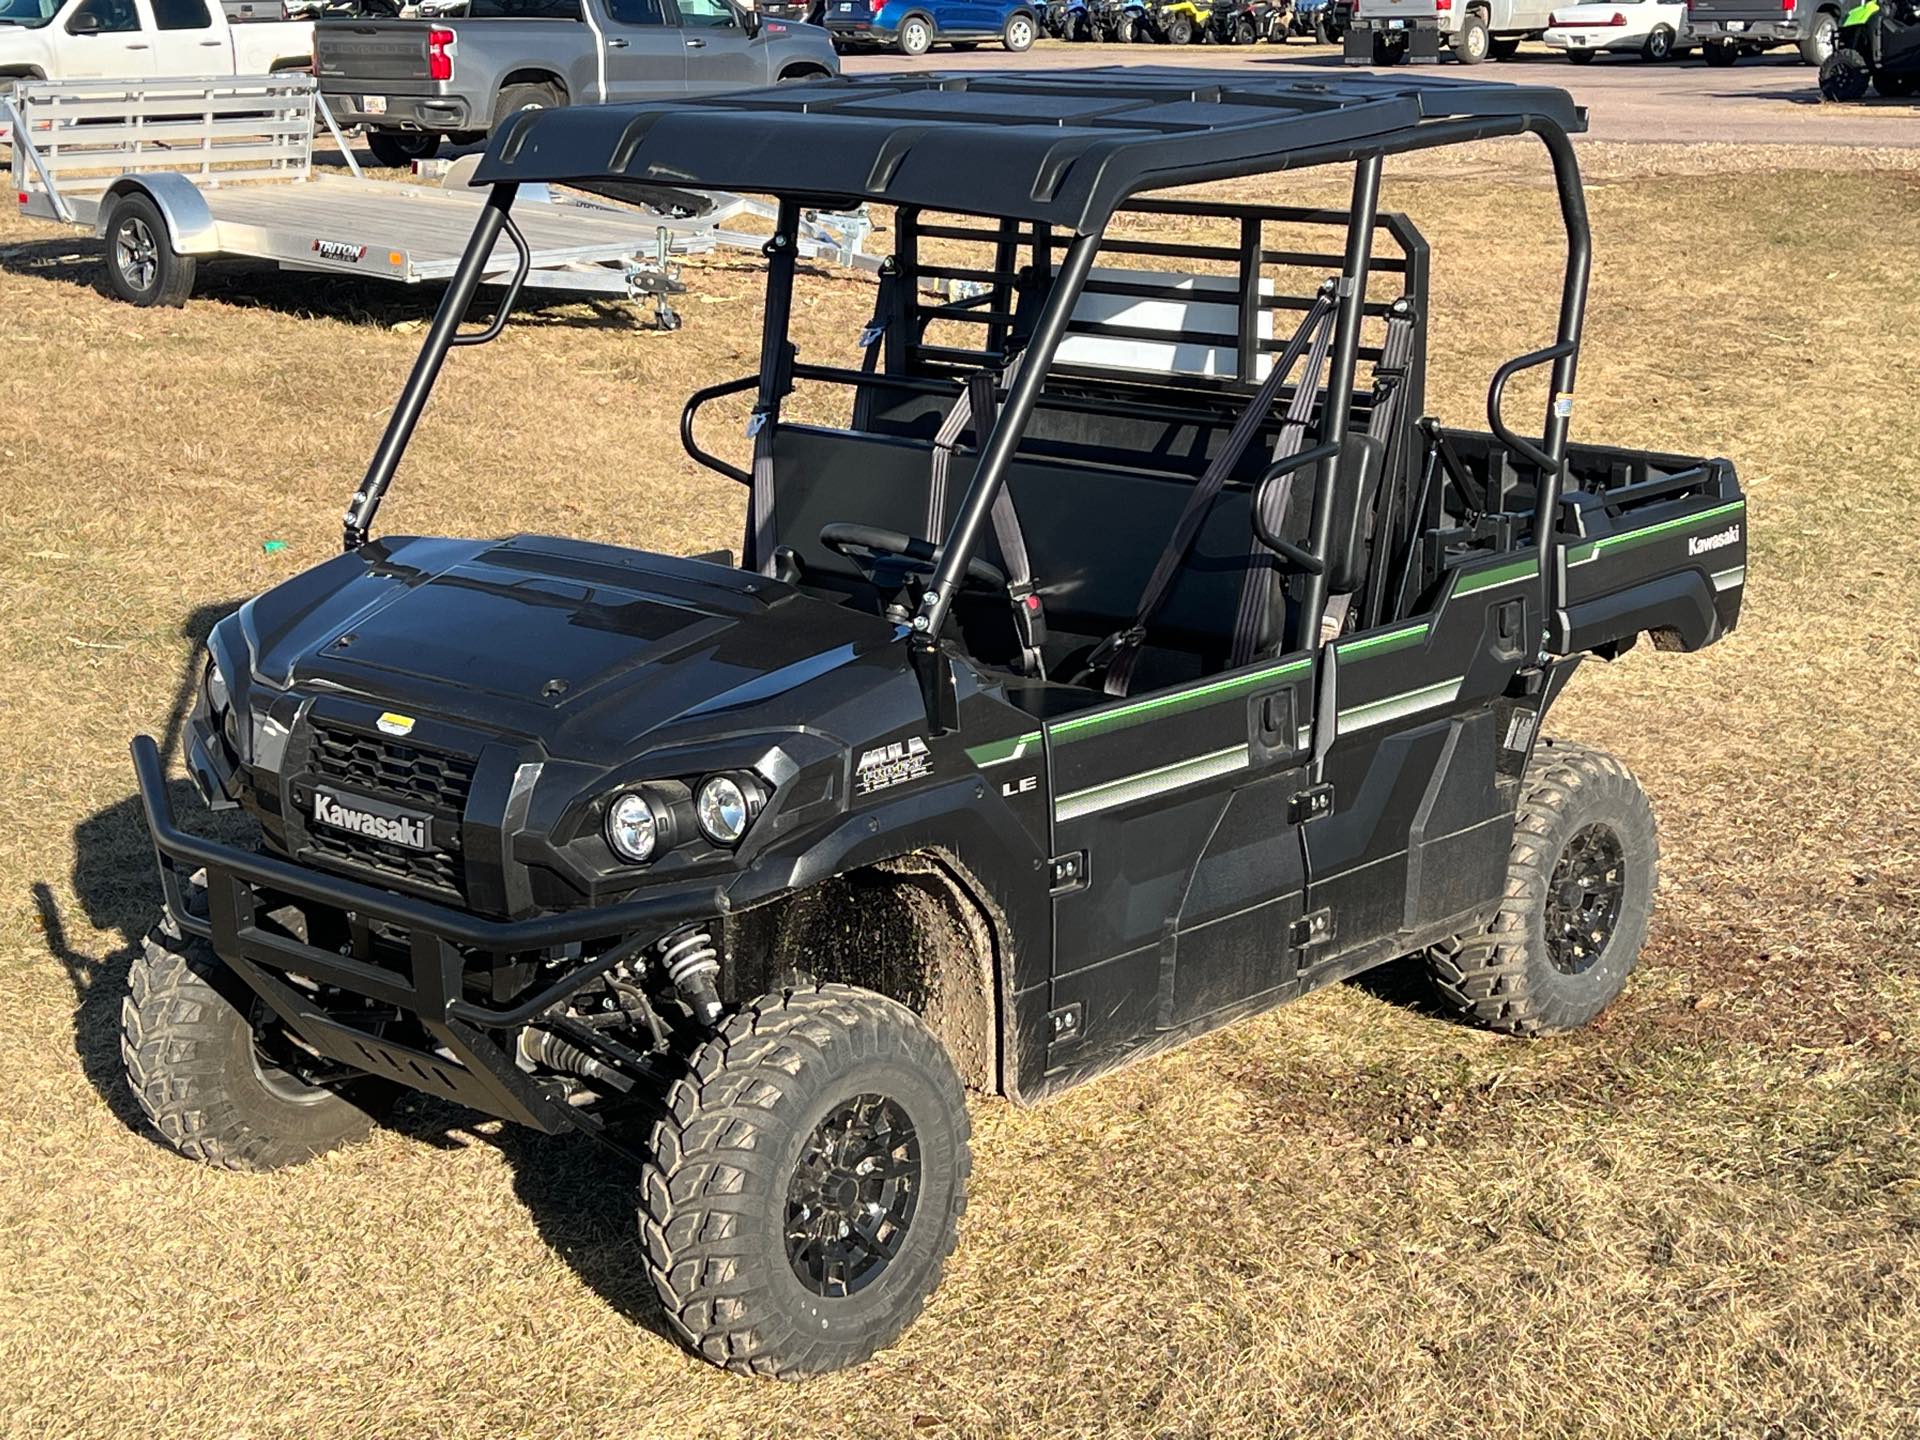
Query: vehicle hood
[587, 647]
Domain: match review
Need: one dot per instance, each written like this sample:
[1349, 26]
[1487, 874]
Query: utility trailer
[172, 172]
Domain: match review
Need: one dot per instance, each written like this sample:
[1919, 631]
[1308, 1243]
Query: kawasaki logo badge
[887, 765]
[1701, 544]
[373, 821]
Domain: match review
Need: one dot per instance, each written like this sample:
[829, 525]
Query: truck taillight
[1787, 5]
[1443, 6]
[440, 54]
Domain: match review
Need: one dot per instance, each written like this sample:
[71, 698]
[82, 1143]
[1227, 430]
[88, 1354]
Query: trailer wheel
[143, 268]
[398, 149]
[1471, 44]
[1821, 40]
[1846, 75]
[1721, 53]
[196, 1061]
[806, 1184]
[1579, 892]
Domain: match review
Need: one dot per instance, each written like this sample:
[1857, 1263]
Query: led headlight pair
[640, 823]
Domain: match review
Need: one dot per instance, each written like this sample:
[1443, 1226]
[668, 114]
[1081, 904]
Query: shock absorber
[692, 963]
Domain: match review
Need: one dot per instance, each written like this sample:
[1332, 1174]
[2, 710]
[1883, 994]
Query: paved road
[1767, 99]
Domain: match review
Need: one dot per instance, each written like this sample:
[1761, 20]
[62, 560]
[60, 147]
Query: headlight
[218, 696]
[635, 828]
[726, 805]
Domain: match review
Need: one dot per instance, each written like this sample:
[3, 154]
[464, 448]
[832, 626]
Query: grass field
[1701, 1217]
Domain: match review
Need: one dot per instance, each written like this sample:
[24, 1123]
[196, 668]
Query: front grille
[436, 869]
[404, 774]
[379, 766]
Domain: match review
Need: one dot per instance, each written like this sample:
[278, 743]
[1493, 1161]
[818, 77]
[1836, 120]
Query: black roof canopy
[1064, 147]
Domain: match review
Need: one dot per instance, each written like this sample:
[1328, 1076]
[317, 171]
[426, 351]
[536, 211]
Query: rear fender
[190, 226]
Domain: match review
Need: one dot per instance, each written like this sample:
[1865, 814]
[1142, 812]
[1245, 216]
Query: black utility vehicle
[1101, 680]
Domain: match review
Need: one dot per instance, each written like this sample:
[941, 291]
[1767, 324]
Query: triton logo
[396, 827]
[339, 250]
[392, 724]
[1701, 544]
[888, 765]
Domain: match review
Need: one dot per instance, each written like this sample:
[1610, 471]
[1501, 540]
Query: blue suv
[914, 27]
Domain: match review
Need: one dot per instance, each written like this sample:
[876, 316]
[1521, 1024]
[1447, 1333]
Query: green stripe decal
[1148, 783]
[1082, 726]
[1593, 549]
[1382, 644]
[1499, 575]
[998, 752]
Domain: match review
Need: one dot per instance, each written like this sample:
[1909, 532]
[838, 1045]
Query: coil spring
[687, 953]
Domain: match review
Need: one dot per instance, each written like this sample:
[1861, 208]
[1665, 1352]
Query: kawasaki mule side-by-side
[1137, 654]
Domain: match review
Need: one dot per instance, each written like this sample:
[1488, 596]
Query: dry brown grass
[1347, 1218]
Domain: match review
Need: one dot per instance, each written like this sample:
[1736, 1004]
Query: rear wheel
[1579, 892]
[143, 268]
[1471, 44]
[1721, 53]
[916, 35]
[1659, 45]
[517, 98]
[1846, 75]
[1019, 32]
[203, 1060]
[1821, 40]
[1179, 31]
[806, 1185]
[398, 149]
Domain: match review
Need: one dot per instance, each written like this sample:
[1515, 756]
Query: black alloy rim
[852, 1195]
[1584, 899]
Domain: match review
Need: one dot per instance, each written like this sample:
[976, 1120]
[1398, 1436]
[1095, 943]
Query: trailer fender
[190, 226]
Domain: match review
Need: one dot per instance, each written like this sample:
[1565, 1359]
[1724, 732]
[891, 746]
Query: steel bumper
[469, 1064]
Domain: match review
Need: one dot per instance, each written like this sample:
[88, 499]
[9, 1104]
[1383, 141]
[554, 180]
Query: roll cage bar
[1472, 112]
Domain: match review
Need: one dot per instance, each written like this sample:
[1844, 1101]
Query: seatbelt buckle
[757, 421]
[1029, 624]
[873, 335]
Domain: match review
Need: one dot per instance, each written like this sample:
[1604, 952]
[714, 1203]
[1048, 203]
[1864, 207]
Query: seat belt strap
[1274, 500]
[1124, 647]
[761, 425]
[876, 327]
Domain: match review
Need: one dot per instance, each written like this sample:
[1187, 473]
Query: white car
[130, 40]
[1651, 29]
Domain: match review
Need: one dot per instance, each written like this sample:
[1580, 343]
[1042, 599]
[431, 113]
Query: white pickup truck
[135, 39]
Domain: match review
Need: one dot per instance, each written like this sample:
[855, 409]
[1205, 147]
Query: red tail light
[1443, 6]
[440, 54]
[878, 5]
[1787, 5]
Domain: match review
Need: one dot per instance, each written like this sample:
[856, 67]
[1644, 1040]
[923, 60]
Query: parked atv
[1181, 22]
[1879, 47]
[1076, 21]
[1118, 22]
[1245, 22]
[1321, 21]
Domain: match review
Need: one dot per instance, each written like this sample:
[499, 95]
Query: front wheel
[1846, 75]
[1125, 31]
[806, 1184]
[143, 268]
[1578, 895]
[1820, 41]
[916, 36]
[1018, 34]
[213, 1071]
[1179, 31]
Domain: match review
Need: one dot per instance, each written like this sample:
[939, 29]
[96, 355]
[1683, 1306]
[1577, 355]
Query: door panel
[184, 40]
[720, 54]
[119, 47]
[1173, 808]
[646, 57]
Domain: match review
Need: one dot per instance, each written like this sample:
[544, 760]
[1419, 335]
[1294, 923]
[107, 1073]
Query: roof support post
[358, 521]
[1349, 313]
[776, 379]
[996, 453]
[1573, 309]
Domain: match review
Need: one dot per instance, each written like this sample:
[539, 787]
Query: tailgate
[1736, 10]
[370, 54]
[1385, 12]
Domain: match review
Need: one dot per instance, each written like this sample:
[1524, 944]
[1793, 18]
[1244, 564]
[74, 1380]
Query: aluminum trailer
[173, 171]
